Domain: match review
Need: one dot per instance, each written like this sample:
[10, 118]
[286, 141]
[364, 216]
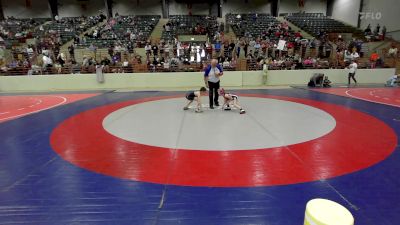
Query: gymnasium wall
[181, 80]
[137, 7]
[253, 6]
[19, 9]
[395, 35]
[346, 11]
[68, 8]
[182, 9]
[311, 6]
[389, 9]
[74, 8]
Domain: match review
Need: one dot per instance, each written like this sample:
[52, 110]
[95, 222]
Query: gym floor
[100, 158]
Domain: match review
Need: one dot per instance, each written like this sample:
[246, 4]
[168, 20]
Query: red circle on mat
[357, 142]
[17, 106]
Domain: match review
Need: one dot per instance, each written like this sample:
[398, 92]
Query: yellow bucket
[326, 212]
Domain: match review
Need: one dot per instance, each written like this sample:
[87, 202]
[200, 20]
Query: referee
[211, 78]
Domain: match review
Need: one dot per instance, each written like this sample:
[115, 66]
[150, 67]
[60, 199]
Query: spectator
[376, 31]
[61, 59]
[245, 48]
[367, 30]
[237, 49]
[373, 59]
[209, 50]
[393, 80]
[316, 79]
[347, 56]
[217, 47]
[328, 50]
[47, 62]
[252, 43]
[379, 63]
[257, 47]
[106, 64]
[111, 51]
[168, 27]
[166, 64]
[147, 48]
[115, 60]
[392, 52]
[352, 72]
[161, 48]
[250, 55]
[45, 52]
[75, 68]
[383, 33]
[92, 48]
[166, 49]
[308, 62]
[327, 82]
[125, 66]
[355, 55]
[71, 51]
[58, 68]
[155, 49]
[29, 50]
[85, 62]
[226, 49]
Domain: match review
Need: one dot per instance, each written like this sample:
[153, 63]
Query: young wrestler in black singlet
[195, 96]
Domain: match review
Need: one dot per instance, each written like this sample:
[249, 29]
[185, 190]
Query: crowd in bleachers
[14, 32]
[377, 34]
[190, 25]
[127, 31]
[46, 39]
[258, 38]
[317, 23]
[65, 29]
[17, 29]
[260, 35]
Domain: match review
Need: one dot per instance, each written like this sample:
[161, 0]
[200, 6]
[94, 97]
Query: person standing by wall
[316, 80]
[393, 80]
[352, 72]
[212, 75]
[383, 33]
[392, 53]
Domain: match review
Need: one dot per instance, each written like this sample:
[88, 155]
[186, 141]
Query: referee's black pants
[213, 93]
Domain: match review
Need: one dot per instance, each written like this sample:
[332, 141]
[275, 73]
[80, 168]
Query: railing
[76, 69]
[194, 67]
[394, 35]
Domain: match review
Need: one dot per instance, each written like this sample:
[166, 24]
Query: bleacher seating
[134, 31]
[15, 31]
[67, 28]
[190, 25]
[120, 29]
[253, 24]
[316, 23]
